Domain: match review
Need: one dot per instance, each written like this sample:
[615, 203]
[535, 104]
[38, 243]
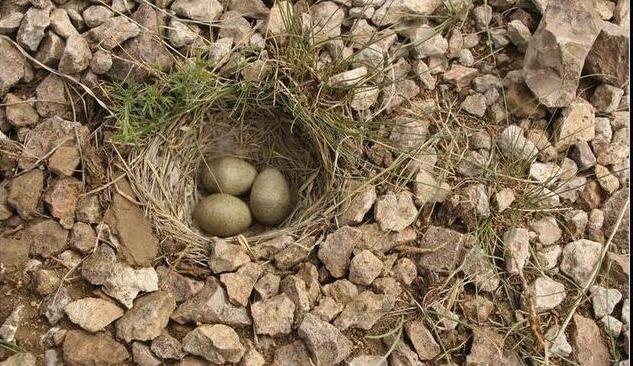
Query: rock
[608, 59]
[295, 288]
[253, 358]
[47, 238]
[427, 189]
[583, 156]
[606, 98]
[474, 203]
[20, 359]
[625, 311]
[267, 249]
[200, 10]
[478, 308]
[60, 23]
[425, 41]
[576, 124]
[310, 276]
[211, 305]
[364, 268]
[138, 246]
[89, 209]
[182, 34]
[359, 204]
[611, 326]
[547, 230]
[20, 113]
[83, 348]
[558, 346]
[92, 314]
[83, 238]
[366, 360]
[267, 286]
[181, 287]
[96, 15]
[580, 257]
[167, 347]
[556, 53]
[547, 293]
[588, 342]
[327, 309]
[62, 197]
[148, 318]
[364, 97]
[475, 104]
[143, 355]
[10, 23]
[612, 209]
[294, 353]
[460, 76]
[45, 281]
[604, 300]
[53, 309]
[112, 33]
[348, 78]
[364, 311]
[488, 348]
[504, 199]
[405, 271]
[548, 257]
[422, 72]
[519, 34]
[545, 173]
[12, 66]
[514, 145]
[76, 57]
[517, 249]
[33, 27]
[217, 343]
[48, 134]
[337, 248]
[608, 181]
[64, 160]
[447, 249]
[273, 316]
[480, 269]
[327, 345]
[10, 325]
[399, 10]
[239, 285]
[394, 212]
[225, 257]
[249, 8]
[402, 355]
[101, 62]
[422, 340]
[343, 291]
[146, 49]
[25, 191]
[293, 254]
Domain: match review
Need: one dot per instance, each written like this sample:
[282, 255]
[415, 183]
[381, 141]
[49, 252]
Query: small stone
[12, 66]
[33, 27]
[488, 348]
[53, 308]
[167, 347]
[475, 104]
[606, 98]
[460, 76]
[580, 257]
[547, 230]
[364, 97]
[613, 41]
[558, 346]
[608, 181]
[426, 41]
[421, 71]
[294, 353]
[399, 10]
[604, 300]
[10, 325]
[20, 359]
[337, 248]
[517, 253]
[590, 346]
[364, 268]
[366, 360]
[101, 62]
[48, 238]
[225, 257]
[96, 15]
[548, 257]
[327, 309]
[113, 32]
[519, 34]
[10, 22]
[359, 204]
[422, 340]
[348, 78]
[64, 160]
[83, 237]
[148, 318]
[273, 316]
[181, 287]
[62, 197]
[504, 199]
[89, 209]
[364, 311]
[92, 314]
[267, 286]
[395, 211]
[327, 345]
[143, 355]
[181, 34]
[60, 22]
[405, 271]
[46, 281]
[20, 113]
[478, 308]
[514, 145]
[611, 325]
[25, 191]
[446, 249]
[583, 156]
[217, 343]
[239, 285]
[547, 293]
[83, 348]
[478, 268]
[625, 311]
[576, 124]
[466, 57]
[482, 15]
[545, 173]
[342, 291]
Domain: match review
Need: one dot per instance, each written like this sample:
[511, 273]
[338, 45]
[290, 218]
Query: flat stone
[580, 257]
[517, 249]
[273, 316]
[576, 124]
[239, 285]
[25, 191]
[92, 314]
[359, 204]
[422, 340]
[425, 41]
[556, 53]
[327, 345]
[364, 268]
[611, 326]
[83, 348]
[547, 230]
[217, 343]
[337, 248]
[327, 309]
[475, 104]
[181, 287]
[211, 305]
[604, 300]
[267, 286]
[363, 311]
[460, 76]
[61, 198]
[590, 347]
[225, 257]
[33, 27]
[447, 249]
[64, 160]
[609, 57]
[514, 145]
[395, 211]
[504, 199]
[148, 318]
[138, 246]
[547, 293]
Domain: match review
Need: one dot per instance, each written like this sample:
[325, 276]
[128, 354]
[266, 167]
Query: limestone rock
[395, 211]
[64, 160]
[517, 249]
[604, 300]
[239, 285]
[217, 343]
[83, 348]
[337, 248]
[513, 144]
[148, 318]
[576, 124]
[24, 193]
[446, 249]
[547, 293]
[33, 27]
[556, 53]
[612, 209]
[580, 257]
[547, 230]
[143, 356]
[200, 10]
[479, 268]
[92, 314]
[608, 59]
[167, 347]
[47, 237]
[327, 345]
[294, 353]
[20, 359]
[77, 55]
[488, 348]
[558, 346]
[20, 113]
[273, 316]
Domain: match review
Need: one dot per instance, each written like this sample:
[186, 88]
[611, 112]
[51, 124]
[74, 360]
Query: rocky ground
[508, 247]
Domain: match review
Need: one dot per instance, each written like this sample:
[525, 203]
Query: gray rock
[33, 27]
[504, 199]
[576, 124]
[395, 211]
[148, 318]
[10, 22]
[364, 311]
[547, 230]
[92, 314]
[101, 62]
[422, 340]
[548, 257]
[54, 306]
[327, 309]
[217, 343]
[76, 57]
[514, 145]
[547, 293]
[482, 15]
[604, 300]
[51, 49]
[425, 41]
[10, 325]
[556, 53]
[225, 257]
[327, 345]
[96, 15]
[239, 285]
[359, 204]
[519, 34]
[364, 268]
[580, 257]
[475, 104]
[273, 316]
[167, 347]
[606, 98]
[60, 23]
[200, 10]
[12, 66]
[113, 32]
[479, 268]
[608, 59]
[348, 78]
[611, 326]
[558, 346]
[20, 359]
[337, 248]
[396, 11]
[517, 249]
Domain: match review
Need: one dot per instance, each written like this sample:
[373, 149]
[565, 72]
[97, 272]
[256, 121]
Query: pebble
[92, 314]
[217, 343]
[326, 344]
[547, 293]
[604, 300]
[580, 257]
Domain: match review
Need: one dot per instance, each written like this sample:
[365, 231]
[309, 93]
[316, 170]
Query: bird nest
[165, 175]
